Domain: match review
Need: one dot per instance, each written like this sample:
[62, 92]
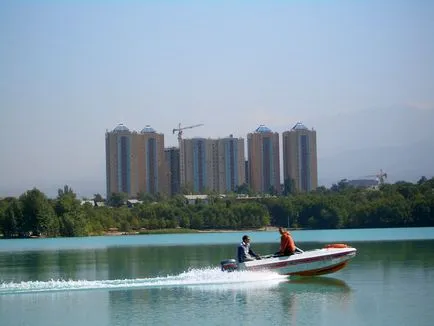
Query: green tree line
[33, 214]
[402, 204]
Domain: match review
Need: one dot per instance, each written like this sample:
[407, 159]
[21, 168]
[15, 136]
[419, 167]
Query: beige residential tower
[300, 158]
[135, 161]
[264, 160]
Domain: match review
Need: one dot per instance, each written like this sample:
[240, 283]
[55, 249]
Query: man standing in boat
[287, 245]
[245, 253]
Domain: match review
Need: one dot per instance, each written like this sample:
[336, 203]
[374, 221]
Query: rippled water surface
[176, 280]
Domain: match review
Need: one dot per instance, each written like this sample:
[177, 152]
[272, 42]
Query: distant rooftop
[262, 129]
[148, 129]
[121, 128]
[299, 126]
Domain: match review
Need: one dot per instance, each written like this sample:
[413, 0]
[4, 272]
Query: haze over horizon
[360, 73]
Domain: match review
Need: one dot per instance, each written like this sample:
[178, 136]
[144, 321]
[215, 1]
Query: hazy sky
[69, 70]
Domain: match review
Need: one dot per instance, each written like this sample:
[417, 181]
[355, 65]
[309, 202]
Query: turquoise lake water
[176, 280]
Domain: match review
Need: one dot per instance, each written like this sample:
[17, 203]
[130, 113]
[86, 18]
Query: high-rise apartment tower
[135, 161]
[213, 164]
[264, 160]
[171, 157]
[300, 158]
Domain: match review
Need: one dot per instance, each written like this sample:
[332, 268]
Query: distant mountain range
[399, 141]
[407, 162]
[352, 145]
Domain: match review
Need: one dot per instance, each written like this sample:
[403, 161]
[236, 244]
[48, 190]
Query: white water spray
[205, 278]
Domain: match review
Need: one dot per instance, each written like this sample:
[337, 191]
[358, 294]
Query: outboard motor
[229, 265]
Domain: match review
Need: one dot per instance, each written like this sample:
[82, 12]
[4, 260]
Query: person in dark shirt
[245, 253]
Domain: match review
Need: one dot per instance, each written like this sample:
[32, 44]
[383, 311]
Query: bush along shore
[402, 204]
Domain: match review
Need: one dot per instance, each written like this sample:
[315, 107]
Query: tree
[196, 221]
[65, 191]
[392, 205]
[272, 191]
[421, 211]
[117, 199]
[289, 187]
[4, 203]
[243, 189]
[341, 186]
[321, 190]
[13, 220]
[39, 216]
[97, 198]
[186, 189]
[73, 224]
[422, 180]
[72, 221]
[66, 201]
[146, 197]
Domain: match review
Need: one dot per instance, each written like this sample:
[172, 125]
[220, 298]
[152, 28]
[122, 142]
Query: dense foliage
[402, 204]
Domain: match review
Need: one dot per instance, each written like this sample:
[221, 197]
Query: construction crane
[381, 176]
[181, 150]
[179, 129]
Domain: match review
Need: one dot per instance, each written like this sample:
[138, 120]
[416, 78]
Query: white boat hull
[307, 263]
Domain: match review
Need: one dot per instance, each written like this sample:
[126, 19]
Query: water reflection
[193, 305]
[53, 265]
[387, 283]
[316, 299]
[317, 284]
[139, 262]
[273, 301]
[27, 266]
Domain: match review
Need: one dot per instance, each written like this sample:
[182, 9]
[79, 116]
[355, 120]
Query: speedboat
[330, 259]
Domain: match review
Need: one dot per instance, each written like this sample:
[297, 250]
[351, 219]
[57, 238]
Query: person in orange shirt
[287, 245]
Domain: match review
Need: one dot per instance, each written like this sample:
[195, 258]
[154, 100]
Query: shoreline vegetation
[185, 231]
[116, 232]
[342, 206]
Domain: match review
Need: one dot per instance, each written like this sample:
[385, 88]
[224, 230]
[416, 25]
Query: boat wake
[207, 278]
